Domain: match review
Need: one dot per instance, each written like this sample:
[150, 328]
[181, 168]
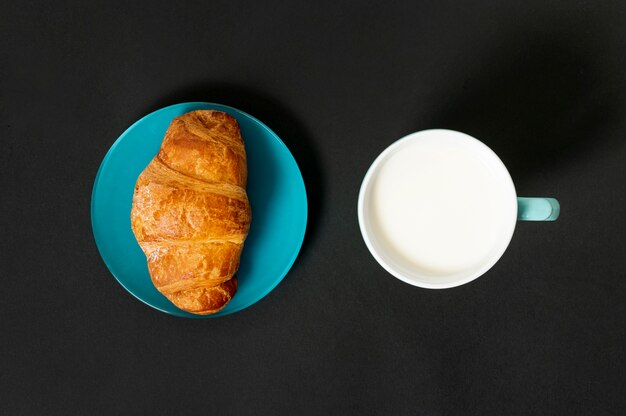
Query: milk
[437, 206]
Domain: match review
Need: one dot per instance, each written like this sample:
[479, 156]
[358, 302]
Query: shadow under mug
[516, 208]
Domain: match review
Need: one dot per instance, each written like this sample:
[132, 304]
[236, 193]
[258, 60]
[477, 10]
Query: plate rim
[179, 312]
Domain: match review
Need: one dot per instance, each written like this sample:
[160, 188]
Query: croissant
[191, 213]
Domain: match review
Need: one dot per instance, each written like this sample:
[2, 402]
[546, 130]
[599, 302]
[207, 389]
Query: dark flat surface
[542, 83]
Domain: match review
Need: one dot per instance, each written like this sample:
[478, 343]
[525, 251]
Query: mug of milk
[437, 209]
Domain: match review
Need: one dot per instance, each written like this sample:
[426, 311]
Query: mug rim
[367, 181]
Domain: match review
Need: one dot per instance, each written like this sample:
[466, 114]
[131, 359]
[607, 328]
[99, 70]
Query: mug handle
[537, 209]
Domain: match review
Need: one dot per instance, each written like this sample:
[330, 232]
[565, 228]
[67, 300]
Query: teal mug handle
[537, 209]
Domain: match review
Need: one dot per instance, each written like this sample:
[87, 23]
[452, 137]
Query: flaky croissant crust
[190, 211]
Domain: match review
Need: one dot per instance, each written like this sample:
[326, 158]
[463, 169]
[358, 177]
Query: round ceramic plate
[275, 190]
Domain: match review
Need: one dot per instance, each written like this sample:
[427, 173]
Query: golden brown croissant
[191, 213]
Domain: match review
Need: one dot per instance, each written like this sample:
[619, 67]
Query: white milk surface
[437, 206]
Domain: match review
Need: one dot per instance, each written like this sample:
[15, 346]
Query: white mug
[437, 209]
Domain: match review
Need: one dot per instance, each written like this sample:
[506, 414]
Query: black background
[541, 82]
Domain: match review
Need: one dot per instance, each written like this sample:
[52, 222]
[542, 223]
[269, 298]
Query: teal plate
[275, 189]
